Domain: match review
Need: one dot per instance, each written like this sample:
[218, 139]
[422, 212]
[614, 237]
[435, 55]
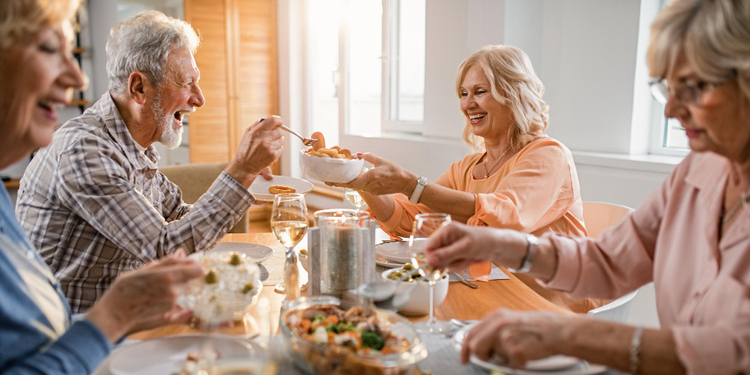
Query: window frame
[389, 100]
[660, 125]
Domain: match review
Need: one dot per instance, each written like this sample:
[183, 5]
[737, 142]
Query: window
[405, 65]
[668, 137]
[366, 66]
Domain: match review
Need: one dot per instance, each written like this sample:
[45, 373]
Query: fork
[305, 141]
[463, 280]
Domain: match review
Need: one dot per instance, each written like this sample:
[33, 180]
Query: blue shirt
[36, 334]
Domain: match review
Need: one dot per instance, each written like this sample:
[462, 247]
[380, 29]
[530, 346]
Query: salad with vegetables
[353, 329]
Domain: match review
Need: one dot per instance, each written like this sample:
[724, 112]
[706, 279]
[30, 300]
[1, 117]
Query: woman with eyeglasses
[37, 335]
[691, 237]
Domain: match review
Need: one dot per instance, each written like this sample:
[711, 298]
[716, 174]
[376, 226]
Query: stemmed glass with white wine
[289, 224]
[353, 197]
[424, 226]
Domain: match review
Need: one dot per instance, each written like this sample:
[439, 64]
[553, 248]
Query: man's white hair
[142, 43]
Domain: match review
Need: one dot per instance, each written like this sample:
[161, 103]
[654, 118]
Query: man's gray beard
[170, 137]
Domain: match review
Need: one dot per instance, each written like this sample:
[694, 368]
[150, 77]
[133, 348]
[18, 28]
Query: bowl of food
[325, 339]
[329, 164]
[419, 301]
[231, 282]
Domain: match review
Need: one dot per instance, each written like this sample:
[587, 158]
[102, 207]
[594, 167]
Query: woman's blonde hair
[712, 35]
[514, 84]
[22, 19]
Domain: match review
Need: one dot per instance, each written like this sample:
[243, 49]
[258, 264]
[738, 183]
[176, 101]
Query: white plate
[260, 186]
[397, 251]
[383, 261]
[167, 355]
[553, 365]
[258, 253]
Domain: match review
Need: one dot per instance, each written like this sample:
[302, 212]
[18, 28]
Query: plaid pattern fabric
[95, 206]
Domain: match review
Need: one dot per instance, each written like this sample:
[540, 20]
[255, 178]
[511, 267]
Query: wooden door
[210, 125]
[239, 73]
[256, 63]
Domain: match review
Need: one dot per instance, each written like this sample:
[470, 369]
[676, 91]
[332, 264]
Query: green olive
[211, 277]
[407, 267]
[235, 260]
[248, 287]
[395, 275]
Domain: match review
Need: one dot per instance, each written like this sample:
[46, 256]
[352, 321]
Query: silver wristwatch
[421, 183]
[528, 259]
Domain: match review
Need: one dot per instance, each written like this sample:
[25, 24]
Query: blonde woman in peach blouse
[691, 237]
[523, 180]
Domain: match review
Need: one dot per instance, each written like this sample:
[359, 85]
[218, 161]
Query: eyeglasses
[688, 92]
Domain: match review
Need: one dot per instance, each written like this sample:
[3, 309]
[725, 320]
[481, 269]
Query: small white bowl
[419, 301]
[330, 169]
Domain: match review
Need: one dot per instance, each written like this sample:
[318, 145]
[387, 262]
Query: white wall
[586, 53]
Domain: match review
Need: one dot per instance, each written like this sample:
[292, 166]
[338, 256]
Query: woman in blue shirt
[37, 335]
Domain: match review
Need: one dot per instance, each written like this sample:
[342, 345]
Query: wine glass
[353, 197]
[424, 226]
[289, 224]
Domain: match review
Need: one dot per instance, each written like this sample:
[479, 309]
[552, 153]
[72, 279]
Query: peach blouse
[536, 191]
[702, 280]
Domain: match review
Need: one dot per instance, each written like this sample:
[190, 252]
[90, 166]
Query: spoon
[305, 141]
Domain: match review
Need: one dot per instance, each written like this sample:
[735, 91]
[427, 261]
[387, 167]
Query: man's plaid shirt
[95, 206]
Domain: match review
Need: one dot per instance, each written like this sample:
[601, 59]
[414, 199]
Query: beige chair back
[195, 179]
[599, 216]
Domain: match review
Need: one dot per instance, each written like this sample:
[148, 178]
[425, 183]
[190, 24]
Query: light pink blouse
[702, 282]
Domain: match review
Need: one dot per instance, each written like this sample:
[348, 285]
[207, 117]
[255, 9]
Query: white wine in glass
[354, 198]
[289, 233]
[424, 226]
[289, 224]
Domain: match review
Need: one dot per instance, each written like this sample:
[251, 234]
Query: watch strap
[421, 183]
[528, 259]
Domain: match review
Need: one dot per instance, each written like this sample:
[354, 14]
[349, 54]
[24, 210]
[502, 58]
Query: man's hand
[145, 298]
[261, 145]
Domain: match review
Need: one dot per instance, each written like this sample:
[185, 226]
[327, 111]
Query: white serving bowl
[419, 301]
[330, 169]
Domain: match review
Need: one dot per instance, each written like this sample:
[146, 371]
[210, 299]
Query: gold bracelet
[635, 351]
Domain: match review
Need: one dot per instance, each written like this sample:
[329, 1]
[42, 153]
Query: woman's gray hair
[514, 84]
[712, 35]
[142, 43]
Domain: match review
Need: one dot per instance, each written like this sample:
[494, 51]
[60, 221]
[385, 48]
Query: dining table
[461, 303]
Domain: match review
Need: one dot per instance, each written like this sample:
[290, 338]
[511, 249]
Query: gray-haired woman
[691, 237]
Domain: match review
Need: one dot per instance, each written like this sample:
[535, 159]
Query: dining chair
[195, 179]
[615, 311]
[599, 216]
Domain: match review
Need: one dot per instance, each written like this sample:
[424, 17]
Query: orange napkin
[480, 271]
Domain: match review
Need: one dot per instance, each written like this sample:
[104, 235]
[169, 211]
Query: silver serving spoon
[305, 141]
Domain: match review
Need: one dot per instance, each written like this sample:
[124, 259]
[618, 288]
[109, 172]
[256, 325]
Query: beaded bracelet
[635, 351]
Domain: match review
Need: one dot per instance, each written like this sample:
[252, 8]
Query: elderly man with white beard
[93, 202]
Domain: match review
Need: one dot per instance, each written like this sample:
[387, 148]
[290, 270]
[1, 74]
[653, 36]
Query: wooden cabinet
[239, 73]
